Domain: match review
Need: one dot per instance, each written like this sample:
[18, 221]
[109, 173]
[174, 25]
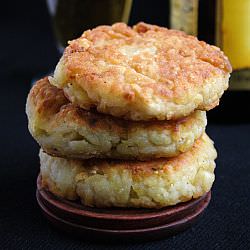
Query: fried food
[116, 183]
[142, 73]
[63, 129]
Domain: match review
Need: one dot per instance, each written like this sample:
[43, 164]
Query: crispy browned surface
[63, 129]
[142, 73]
[46, 99]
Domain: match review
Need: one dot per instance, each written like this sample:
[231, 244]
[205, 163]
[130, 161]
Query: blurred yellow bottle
[225, 23]
[233, 31]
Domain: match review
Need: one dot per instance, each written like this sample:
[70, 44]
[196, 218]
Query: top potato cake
[142, 73]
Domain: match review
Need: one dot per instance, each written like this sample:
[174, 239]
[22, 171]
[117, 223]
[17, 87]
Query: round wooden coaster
[119, 223]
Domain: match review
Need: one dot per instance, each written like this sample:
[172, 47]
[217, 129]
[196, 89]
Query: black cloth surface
[27, 50]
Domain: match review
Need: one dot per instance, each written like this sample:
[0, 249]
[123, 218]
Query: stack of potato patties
[121, 123]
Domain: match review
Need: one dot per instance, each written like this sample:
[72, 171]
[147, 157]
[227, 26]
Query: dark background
[27, 49]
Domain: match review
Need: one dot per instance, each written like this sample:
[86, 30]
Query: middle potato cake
[65, 130]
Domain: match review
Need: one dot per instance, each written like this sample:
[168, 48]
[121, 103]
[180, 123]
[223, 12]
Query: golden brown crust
[63, 129]
[46, 99]
[142, 73]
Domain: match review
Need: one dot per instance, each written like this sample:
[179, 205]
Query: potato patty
[117, 183]
[63, 129]
[142, 73]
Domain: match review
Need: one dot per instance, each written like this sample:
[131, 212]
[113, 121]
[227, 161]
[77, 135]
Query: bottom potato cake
[118, 183]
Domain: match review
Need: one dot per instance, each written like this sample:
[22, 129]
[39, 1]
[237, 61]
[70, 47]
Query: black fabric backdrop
[26, 50]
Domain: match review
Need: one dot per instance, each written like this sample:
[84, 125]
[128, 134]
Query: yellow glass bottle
[233, 36]
[225, 23]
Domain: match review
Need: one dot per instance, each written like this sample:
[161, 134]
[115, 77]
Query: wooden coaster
[119, 223]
